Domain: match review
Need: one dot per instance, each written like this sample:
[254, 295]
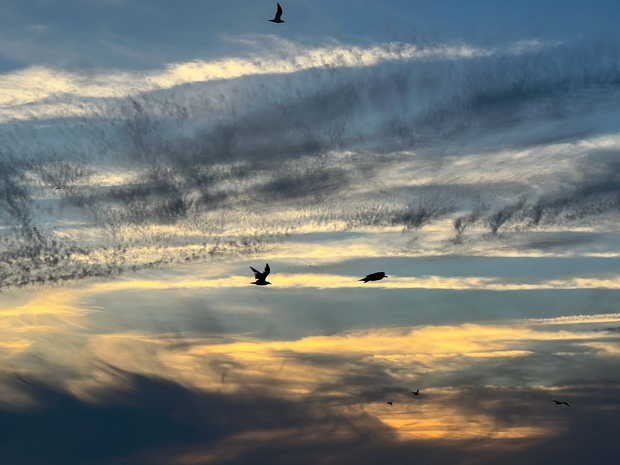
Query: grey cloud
[235, 144]
[396, 104]
[159, 421]
[560, 241]
[596, 194]
[155, 420]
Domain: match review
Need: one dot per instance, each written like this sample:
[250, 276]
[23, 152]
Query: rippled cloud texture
[149, 155]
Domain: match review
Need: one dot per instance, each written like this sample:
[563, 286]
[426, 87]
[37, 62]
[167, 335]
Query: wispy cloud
[387, 137]
[39, 83]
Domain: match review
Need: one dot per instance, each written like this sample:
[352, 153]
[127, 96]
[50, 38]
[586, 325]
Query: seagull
[260, 277]
[416, 393]
[557, 402]
[278, 15]
[374, 277]
[389, 403]
[57, 188]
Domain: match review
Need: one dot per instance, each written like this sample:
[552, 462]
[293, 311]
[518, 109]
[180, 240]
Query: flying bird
[389, 403]
[374, 277]
[416, 393]
[57, 188]
[278, 15]
[260, 277]
[557, 402]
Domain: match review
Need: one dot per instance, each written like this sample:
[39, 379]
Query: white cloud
[37, 84]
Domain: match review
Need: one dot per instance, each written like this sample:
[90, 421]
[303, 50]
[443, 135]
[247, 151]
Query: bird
[260, 277]
[57, 188]
[278, 15]
[557, 402]
[389, 403]
[374, 277]
[416, 393]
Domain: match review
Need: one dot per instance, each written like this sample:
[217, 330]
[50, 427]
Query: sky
[469, 150]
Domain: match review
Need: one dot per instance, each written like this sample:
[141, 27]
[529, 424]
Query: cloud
[308, 395]
[154, 419]
[326, 281]
[39, 83]
[329, 139]
[444, 164]
[151, 419]
[599, 318]
[370, 364]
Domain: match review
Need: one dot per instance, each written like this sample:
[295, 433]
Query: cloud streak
[39, 83]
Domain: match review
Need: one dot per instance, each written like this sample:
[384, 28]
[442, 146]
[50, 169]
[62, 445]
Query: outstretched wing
[267, 271]
[257, 274]
[278, 12]
[565, 403]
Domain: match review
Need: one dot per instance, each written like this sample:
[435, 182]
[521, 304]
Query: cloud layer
[497, 141]
[147, 160]
[209, 397]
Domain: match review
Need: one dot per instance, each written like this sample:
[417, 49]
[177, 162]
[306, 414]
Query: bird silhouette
[389, 403]
[278, 15]
[260, 277]
[557, 402]
[374, 277]
[416, 393]
[57, 188]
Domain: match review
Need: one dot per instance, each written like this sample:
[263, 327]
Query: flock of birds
[261, 277]
[261, 280]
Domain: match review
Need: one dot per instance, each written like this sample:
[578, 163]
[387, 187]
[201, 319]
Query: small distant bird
[260, 277]
[278, 15]
[416, 393]
[389, 403]
[57, 188]
[374, 277]
[557, 402]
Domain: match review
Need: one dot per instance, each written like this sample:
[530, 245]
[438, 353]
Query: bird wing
[278, 12]
[267, 271]
[565, 403]
[257, 274]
